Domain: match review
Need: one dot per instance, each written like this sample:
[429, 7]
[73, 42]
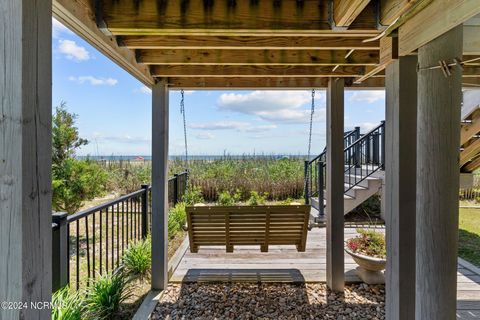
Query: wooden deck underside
[285, 264]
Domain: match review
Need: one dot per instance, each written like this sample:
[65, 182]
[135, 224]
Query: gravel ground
[270, 301]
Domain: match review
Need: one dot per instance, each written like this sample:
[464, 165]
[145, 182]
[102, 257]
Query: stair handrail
[365, 156]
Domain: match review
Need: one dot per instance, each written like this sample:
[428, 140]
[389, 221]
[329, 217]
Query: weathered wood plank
[313, 42]
[390, 10]
[79, 16]
[257, 57]
[25, 156]
[198, 17]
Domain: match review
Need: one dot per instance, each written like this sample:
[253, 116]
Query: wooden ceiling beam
[257, 57]
[78, 16]
[200, 17]
[471, 40]
[256, 71]
[390, 10]
[472, 165]
[264, 83]
[435, 19]
[248, 42]
[346, 11]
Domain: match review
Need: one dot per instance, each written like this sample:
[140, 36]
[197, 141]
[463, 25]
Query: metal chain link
[312, 111]
[182, 111]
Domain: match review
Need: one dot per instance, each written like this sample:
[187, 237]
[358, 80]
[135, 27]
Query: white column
[335, 185]
[159, 186]
[438, 143]
[25, 155]
[400, 183]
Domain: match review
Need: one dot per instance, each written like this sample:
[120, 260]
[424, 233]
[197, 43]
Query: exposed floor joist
[257, 57]
[255, 70]
[248, 42]
[198, 17]
[266, 83]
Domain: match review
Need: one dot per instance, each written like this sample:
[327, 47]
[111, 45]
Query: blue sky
[114, 110]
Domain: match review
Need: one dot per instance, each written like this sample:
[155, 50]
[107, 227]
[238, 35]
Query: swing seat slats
[248, 225]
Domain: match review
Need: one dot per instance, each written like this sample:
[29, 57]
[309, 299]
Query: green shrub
[67, 305]
[104, 296]
[177, 218]
[193, 195]
[76, 181]
[257, 199]
[287, 201]
[137, 259]
[368, 242]
[226, 199]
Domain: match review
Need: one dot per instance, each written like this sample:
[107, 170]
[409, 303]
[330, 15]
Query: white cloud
[369, 96]
[231, 125]
[94, 81]
[144, 90]
[100, 137]
[275, 106]
[205, 136]
[73, 51]
[58, 28]
[367, 126]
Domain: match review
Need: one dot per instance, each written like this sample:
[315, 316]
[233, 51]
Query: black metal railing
[92, 242]
[312, 172]
[363, 156]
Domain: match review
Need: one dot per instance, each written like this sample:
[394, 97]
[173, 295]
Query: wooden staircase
[364, 171]
[470, 132]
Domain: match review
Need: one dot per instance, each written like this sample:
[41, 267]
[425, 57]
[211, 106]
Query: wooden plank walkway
[285, 264]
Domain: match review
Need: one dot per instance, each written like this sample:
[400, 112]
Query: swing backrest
[248, 225]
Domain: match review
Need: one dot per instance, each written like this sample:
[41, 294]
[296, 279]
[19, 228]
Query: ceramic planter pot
[366, 262]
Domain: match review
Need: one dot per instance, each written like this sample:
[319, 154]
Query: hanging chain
[182, 111]
[312, 111]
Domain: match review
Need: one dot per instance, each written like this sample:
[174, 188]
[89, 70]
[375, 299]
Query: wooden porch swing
[231, 226]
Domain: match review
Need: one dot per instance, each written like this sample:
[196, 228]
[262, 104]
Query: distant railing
[92, 242]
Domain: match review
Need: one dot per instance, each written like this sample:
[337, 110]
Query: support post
[159, 185]
[59, 251]
[145, 210]
[175, 189]
[335, 185]
[399, 196]
[438, 142]
[25, 156]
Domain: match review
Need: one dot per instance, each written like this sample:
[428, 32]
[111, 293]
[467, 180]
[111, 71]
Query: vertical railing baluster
[123, 227]
[94, 245]
[118, 236]
[78, 254]
[101, 240]
[88, 249]
[106, 240]
[113, 238]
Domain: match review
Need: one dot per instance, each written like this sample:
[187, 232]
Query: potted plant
[369, 252]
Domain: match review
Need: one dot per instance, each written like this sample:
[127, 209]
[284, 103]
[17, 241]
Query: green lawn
[469, 236]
